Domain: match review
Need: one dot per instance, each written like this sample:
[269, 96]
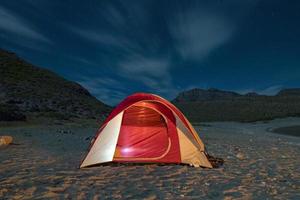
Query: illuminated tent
[145, 128]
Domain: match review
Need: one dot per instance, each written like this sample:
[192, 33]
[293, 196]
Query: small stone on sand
[240, 156]
[5, 140]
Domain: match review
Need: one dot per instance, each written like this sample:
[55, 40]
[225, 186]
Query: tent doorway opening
[153, 141]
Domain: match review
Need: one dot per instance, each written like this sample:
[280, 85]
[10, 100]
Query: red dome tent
[146, 128]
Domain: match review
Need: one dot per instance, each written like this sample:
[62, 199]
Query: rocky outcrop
[29, 90]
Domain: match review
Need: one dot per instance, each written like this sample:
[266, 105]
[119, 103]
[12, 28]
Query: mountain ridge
[27, 90]
[217, 105]
[199, 94]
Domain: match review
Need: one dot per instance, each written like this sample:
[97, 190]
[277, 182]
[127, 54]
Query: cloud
[111, 91]
[108, 90]
[101, 38]
[156, 67]
[195, 35]
[270, 91]
[107, 96]
[198, 33]
[135, 62]
[81, 60]
[11, 23]
[245, 91]
[114, 16]
[97, 36]
[152, 72]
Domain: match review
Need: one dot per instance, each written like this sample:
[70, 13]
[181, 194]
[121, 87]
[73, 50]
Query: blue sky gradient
[115, 48]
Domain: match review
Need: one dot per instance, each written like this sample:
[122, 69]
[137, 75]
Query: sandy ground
[258, 165]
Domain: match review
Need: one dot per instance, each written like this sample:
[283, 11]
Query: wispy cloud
[113, 16]
[152, 72]
[102, 38]
[155, 67]
[108, 90]
[13, 24]
[272, 90]
[82, 60]
[96, 36]
[197, 33]
[136, 62]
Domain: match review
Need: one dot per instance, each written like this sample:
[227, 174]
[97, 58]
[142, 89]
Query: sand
[258, 165]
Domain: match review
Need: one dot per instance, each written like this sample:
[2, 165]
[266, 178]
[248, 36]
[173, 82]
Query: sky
[116, 48]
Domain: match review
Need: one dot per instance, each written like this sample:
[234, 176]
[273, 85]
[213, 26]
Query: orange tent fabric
[146, 128]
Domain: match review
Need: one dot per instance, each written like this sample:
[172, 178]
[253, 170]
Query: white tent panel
[180, 126]
[104, 147]
[190, 149]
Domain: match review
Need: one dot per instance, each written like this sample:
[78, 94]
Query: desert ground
[259, 164]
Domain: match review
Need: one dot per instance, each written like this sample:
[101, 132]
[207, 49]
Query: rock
[3, 191]
[240, 156]
[274, 192]
[5, 140]
[283, 156]
[236, 149]
[151, 197]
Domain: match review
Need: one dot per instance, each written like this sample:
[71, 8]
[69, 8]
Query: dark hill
[216, 105]
[205, 95]
[27, 90]
[289, 92]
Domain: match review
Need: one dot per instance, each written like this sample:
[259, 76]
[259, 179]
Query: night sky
[115, 48]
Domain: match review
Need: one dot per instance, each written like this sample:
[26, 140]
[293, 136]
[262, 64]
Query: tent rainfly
[145, 128]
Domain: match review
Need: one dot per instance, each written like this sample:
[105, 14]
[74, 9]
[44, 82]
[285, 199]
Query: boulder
[5, 140]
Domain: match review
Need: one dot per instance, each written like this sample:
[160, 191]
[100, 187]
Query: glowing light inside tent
[126, 150]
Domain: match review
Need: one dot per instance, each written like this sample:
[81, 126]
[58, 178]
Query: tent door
[143, 135]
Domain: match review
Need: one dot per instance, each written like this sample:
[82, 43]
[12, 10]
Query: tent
[146, 128]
